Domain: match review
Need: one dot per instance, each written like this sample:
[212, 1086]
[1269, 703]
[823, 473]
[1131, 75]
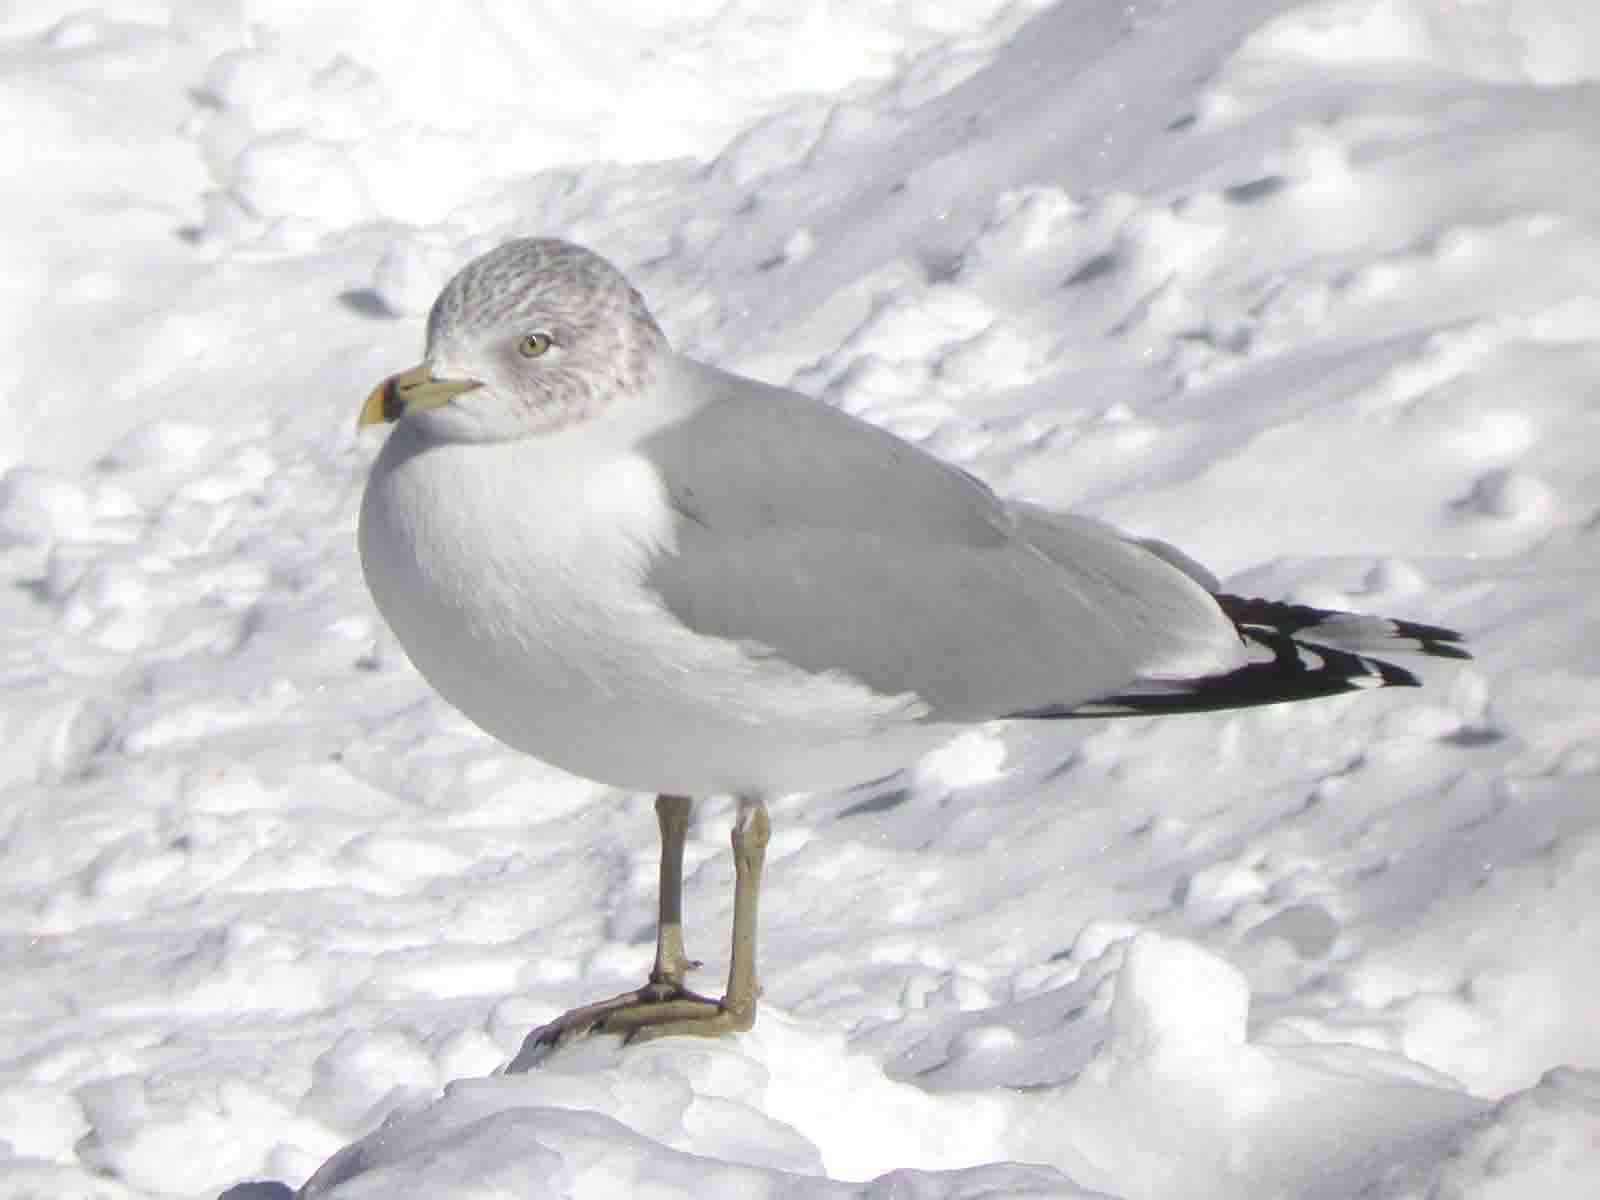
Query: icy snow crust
[1307, 289]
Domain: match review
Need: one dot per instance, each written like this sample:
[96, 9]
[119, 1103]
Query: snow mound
[1175, 1102]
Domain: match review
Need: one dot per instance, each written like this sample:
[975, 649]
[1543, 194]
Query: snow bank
[1306, 289]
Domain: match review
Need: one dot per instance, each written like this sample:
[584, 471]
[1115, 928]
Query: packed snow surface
[1311, 290]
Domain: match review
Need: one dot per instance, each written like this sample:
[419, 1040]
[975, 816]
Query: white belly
[514, 580]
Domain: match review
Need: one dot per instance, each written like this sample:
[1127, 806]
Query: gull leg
[736, 1011]
[672, 963]
[752, 830]
[663, 1006]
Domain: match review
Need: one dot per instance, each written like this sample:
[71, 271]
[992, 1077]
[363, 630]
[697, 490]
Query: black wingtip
[1444, 648]
[1314, 652]
[1434, 640]
[1314, 624]
[1392, 675]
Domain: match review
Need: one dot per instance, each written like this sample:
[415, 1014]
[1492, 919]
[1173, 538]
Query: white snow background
[1311, 290]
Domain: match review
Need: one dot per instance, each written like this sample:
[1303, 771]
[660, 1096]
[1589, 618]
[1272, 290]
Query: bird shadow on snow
[366, 302]
[1171, 1099]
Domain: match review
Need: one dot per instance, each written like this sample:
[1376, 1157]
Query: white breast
[512, 573]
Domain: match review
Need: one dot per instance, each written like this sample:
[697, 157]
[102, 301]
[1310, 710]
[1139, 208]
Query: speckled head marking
[602, 340]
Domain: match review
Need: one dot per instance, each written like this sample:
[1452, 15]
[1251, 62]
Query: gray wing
[843, 548]
[754, 457]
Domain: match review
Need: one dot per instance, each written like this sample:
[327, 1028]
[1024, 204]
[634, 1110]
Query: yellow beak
[410, 391]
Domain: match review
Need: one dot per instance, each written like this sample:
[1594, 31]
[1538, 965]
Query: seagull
[668, 578]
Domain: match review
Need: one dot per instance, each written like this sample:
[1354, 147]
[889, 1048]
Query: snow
[1305, 288]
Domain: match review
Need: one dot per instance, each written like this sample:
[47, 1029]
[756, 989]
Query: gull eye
[533, 345]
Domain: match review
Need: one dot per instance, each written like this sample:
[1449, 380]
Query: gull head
[532, 337]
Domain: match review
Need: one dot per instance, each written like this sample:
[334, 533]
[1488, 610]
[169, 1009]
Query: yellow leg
[672, 962]
[664, 1007]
